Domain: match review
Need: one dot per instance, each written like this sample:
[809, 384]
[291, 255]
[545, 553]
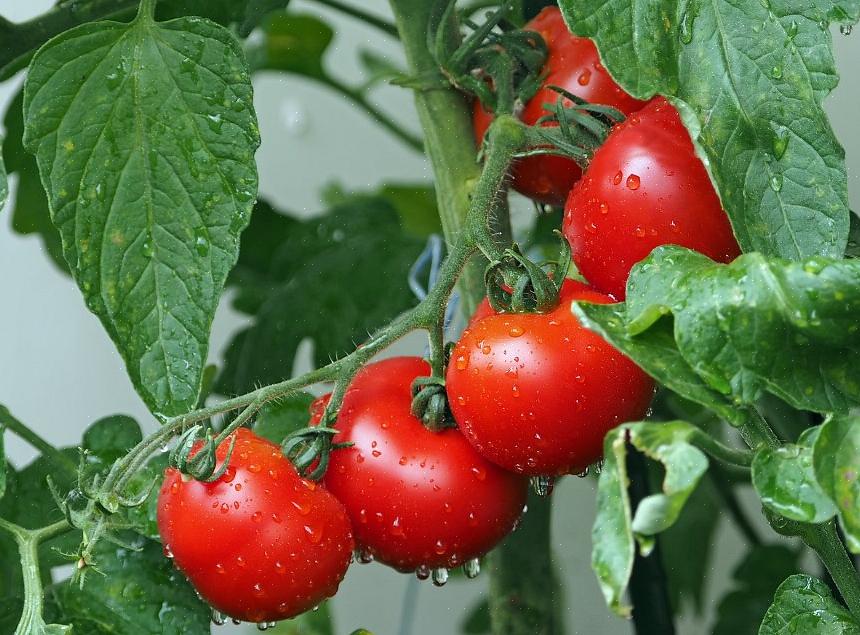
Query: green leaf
[4, 186]
[804, 604]
[477, 621]
[319, 280]
[140, 592]
[145, 136]
[2, 463]
[756, 577]
[293, 43]
[616, 525]
[415, 203]
[112, 437]
[756, 325]
[143, 518]
[277, 419]
[836, 460]
[29, 205]
[785, 482]
[776, 163]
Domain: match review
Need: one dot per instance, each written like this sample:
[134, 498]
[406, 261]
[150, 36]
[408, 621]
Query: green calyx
[194, 455]
[309, 450]
[430, 403]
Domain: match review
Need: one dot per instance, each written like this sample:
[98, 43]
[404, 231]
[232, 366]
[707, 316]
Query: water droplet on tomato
[440, 548]
[584, 77]
[257, 516]
[314, 534]
[617, 178]
[276, 518]
[166, 551]
[225, 508]
[473, 522]
[397, 528]
[440, 576]
[422, 572]
[639, 231]
[219, 568]
[254, 468]
[174, 487]
[604, 208]
[516, 331]
[280, 569]
[472, 568]
[362, 516]
[217, 618]
[258, 590]
[479, 473]
[240, 562]
[542, 485]
[485, 349]
[376, 454]
[515, 390]
[633, 182]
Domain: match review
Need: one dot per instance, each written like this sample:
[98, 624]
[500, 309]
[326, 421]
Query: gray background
[59, 372]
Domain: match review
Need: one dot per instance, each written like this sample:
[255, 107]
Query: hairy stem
[21, 430]
[825, 541]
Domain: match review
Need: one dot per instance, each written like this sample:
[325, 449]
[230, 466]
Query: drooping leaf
[804, 604]
[141, 592]
[111, 437]
[755, 579]
[751, 77]
[785, 482]
[145, 136]
[321, 282]
[277, 419]
[836, 460]
[477, 620]
[756, 325]
[415, 203]
[29, 205]
[616, 525]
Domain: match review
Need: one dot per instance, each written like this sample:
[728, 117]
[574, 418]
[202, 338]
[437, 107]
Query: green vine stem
[357, 13]
[524, 584]
[28, 541]
[8, 421]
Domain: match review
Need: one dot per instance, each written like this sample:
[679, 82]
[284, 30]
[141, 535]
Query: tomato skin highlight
[572, 63]
[536, 393]
[416, 498]
[645, 187]
[260, 543]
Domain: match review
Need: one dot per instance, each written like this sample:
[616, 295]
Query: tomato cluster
[531, 394]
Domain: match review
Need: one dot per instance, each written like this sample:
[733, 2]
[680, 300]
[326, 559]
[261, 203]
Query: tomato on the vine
[536, 393]
[644, 187]
[260, 543]
[572, 64]
[417, 499]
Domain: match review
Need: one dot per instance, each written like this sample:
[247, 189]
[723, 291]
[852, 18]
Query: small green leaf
[804, 604]
[145, 134]
[277, 419]
[477, 621]
[293, 43]
[316, 279]
[140, 592]
[756, 578]
[111, 437]
[615, 525]
[836, 460]
[785, 482]
[776, 163]
[318, 622]
[756, 325]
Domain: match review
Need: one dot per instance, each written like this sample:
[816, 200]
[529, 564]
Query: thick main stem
[448, 136]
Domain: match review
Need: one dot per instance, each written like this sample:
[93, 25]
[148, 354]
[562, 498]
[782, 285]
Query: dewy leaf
[145, 136]
[756, 325]
[277, 419]
[616, 525]
[804, 604]
[318, 279]
[140, 592]
[749, 78]
[755, 580]
[836, 459]
[786, 484]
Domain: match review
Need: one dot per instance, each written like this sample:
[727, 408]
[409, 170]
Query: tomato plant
[417, 499]
[259, 543]
[536, 393]
[704, 368]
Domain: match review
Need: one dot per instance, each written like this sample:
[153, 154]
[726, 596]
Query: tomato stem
[8, 421]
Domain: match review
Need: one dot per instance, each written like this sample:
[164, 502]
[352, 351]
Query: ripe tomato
[260, 543]
[536, 393]
[644, 187]
[416, 498]
[573, 64]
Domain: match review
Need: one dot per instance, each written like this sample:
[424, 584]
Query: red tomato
[260, 543]
[536, 393]
[645, 187]
[416, 498]
[573, 64]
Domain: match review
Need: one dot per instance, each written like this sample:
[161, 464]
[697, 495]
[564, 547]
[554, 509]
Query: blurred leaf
[755, 325]
[836, 460]
[756, 578]
[291, 42]
[776, 162]
[785, 481]
[415, 203]
[321, 282]
[616, 525]
[803, 604]
[29, 205]
[4, 186]
[140, 592]
[318, 622]
[277, 419]
[687, 548]
[150, 221]
[477, 620]
[2, 463]
[378, 68]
